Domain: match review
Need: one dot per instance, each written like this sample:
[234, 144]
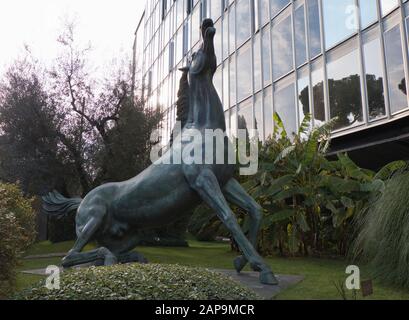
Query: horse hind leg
[76, 257]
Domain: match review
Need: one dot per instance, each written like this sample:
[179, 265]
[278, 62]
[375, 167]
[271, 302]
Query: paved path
[44, 256]
[251, 280]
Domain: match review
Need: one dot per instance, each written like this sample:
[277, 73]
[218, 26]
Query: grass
[320, 274]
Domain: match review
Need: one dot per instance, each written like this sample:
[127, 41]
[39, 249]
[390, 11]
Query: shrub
[141, 282]
[383, 234]
[17, 232]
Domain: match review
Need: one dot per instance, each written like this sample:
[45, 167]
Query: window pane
[218, 42]
[374, 79]
[265, 38]
[284, 105]
[303, 95]
[243, 17]
[226, 103]
[277, 5]
[245, 115]
[225, 35]
[268, 113]
[232, 82]
[233, 122]
[232, 33]
[264, 14]
[395, 67]
[217, 81]
[314, 28]
[368, 12]
[196, 26]
[257, 63]
[300, 45]
[345, 89]
[244, 72]
[388, 5]
[338, 20]
[216, 9]
[317, 80]
[258, 114]
[282, 48]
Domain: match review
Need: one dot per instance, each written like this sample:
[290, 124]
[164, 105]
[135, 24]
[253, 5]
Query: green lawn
[319, 274]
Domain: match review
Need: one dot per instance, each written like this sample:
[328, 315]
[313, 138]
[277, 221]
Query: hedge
[17, 232]
[141, 282]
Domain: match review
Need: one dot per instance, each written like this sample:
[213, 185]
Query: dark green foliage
[17, 233]
[308, 200]
[383, 233]
[61, 229]
[142, 282]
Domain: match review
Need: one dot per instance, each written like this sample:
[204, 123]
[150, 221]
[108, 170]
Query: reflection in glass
[216, 9]
[257, 62]
[299, 33]
[218, 42]
[368, 12]
[264, 12]
[317, 80]
[345, 90]
[232, 31]
[217, 82]
[258, 114]
[232, 83]
[268, 113]
[303, 95]
[265, 39]
[243, 17]
[277, 5]
[284, 105]
[374, 79]
[233, 122]
[388, 5]
[245, 115]
[339, 20]
[196, 26]
[225, 35]
[179, 13]
[395, 68]
[226, 103]
[314, 28]
[282, 48]
[244, 72]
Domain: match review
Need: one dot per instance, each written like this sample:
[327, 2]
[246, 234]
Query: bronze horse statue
[166, 190]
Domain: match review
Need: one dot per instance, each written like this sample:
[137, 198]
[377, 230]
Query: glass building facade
[331, 58]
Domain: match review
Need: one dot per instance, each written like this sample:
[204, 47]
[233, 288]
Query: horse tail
[56, 205]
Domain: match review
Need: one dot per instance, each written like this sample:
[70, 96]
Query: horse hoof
[267, 277]
[239, 263]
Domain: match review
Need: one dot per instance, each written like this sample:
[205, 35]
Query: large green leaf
[278, 217]
[277, 185]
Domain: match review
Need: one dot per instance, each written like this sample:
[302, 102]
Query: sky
[109, 26]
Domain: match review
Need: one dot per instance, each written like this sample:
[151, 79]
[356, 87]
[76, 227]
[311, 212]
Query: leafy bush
[383, 234]
[17, 232]
[141, 282]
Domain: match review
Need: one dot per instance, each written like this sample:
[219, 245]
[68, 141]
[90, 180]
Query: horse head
[204, 60]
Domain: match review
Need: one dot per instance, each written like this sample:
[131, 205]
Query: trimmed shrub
[141, 282]
[17, 232]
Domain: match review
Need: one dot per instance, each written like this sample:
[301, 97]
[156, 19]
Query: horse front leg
[236, 195]
[208, 188]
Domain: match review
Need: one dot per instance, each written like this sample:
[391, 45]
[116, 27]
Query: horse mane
[182, 102]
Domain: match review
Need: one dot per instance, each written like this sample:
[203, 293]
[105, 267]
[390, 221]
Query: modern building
[331, 58]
